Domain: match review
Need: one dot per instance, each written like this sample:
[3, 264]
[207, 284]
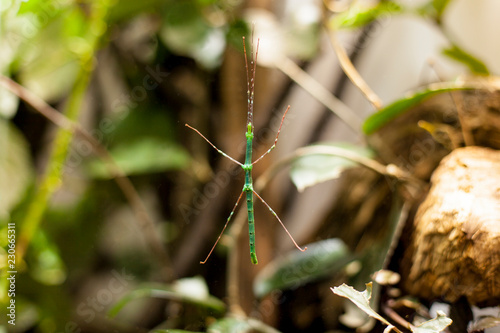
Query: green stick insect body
[248, 165]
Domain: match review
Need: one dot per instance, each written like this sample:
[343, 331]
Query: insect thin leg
[225, 225]
[276, 215]
[275, 140]
[218, 150]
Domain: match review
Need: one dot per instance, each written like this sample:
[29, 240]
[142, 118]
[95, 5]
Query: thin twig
[320, 93]
[396, 317]
[390, 170]
[351, 71]
[128, 189]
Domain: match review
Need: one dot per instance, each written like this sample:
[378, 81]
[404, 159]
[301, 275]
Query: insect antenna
[250, 72]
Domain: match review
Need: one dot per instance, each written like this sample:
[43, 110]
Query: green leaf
[47, 266]
[16, 170]
[229, 324]
[358, 15]
[313, 169]
[295, 269]
[64, 35]
[433, 9]
[143, 156]
[434, 325]
[188, 290]
[240, 325]
[137, 124]
[186, 32]
[41, 8]
[382, 117]
[361, 299]
[475, 65]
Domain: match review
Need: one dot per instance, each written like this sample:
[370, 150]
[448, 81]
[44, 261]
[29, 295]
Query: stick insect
[248, 165]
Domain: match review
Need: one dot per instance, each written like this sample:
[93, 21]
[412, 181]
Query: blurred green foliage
[322, 259]
[114, 67]
[189, 290]
[393, 110]
[474, 64]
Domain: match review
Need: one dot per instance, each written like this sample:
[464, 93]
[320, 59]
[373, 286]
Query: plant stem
[313, 87]
[351, 71]
[51, 180]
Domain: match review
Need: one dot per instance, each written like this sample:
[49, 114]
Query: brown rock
[454, 249]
